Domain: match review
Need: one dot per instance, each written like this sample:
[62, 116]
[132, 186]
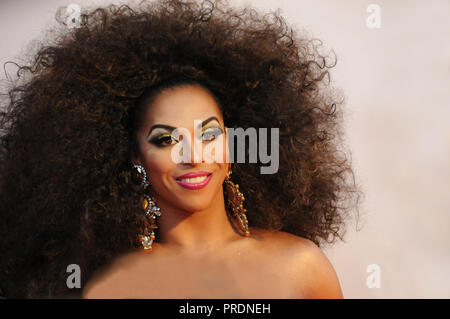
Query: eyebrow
[171, 128]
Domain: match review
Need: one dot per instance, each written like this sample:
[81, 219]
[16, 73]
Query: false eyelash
[160, 140]
[215, 134]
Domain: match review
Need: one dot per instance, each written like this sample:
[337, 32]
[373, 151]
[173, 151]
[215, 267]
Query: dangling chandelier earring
[235, 201]
[151, 212]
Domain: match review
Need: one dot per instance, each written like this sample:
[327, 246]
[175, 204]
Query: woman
[88, 175]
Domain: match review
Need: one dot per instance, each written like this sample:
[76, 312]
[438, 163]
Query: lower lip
[195, 185]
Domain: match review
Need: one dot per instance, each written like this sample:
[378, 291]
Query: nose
[196, 152]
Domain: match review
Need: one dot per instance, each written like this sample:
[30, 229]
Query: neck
[200, 231]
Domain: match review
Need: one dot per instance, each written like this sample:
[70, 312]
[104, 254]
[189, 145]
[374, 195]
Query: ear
[135, 160]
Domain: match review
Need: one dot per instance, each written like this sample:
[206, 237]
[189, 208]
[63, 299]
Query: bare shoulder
[281, 239]
[109, 281]
[306, 264]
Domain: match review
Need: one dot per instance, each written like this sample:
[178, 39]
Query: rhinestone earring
[141, 170]
[235, 201]
[151, 212]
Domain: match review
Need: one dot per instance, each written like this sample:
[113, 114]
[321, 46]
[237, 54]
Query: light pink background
[396, 81]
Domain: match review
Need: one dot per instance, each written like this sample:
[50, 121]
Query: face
[178, 108]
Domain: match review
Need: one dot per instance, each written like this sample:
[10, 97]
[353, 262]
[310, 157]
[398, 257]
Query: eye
[164, 140]
[211, 133]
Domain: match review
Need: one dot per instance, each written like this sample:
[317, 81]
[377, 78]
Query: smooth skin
[199, 254]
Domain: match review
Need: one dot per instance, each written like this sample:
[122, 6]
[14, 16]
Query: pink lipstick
[194, 180]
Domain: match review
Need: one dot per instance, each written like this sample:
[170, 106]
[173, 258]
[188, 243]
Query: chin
[195, 204]
[192, 200]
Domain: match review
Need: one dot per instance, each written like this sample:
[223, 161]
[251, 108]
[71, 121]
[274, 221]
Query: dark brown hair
[68, 191]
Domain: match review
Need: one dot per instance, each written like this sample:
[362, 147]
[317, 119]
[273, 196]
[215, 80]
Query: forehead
[180, 106]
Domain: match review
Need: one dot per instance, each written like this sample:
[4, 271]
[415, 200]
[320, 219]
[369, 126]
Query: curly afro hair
[68, 194]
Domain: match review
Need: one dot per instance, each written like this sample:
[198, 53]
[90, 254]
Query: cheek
[158, 163]
[217, 151]
[223, 170]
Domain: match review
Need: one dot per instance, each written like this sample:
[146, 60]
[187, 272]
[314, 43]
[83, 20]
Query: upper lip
[193, 174]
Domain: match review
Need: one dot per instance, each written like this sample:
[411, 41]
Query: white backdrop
[396, 81]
